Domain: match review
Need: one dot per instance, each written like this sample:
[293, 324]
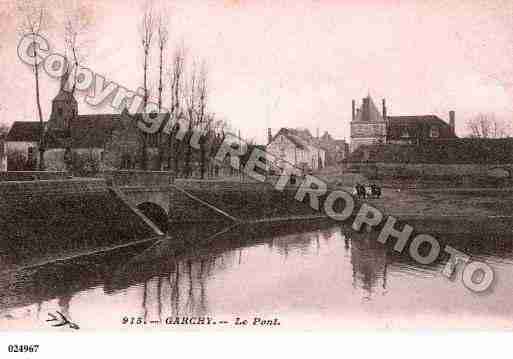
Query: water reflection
[303, 268]
[369, 262]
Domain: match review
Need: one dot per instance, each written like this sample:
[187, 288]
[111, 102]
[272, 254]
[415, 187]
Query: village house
[297, 147]
[336, 150]
[370, 126]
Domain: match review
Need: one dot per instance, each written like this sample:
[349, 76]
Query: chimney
[384, 110]
[353, 109]
[269, 135]
[452, 122]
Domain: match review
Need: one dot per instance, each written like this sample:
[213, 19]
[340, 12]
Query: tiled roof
[414, 120]
[368, 112]
[417, 127]
[87, 131]
[303, 138]
[297, 137]
[26, 131]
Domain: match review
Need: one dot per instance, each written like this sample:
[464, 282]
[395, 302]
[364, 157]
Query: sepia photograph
[255, 166]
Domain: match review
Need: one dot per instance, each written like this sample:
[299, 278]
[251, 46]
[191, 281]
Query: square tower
[367, 125]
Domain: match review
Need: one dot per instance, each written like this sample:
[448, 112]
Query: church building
[82, 143]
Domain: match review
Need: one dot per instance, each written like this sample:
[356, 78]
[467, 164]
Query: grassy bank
[249, 201]
[438, 210]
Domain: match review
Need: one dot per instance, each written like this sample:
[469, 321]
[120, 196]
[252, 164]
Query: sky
[292, 63]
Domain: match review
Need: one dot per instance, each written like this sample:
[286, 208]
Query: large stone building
[370, 126]
[82, 143]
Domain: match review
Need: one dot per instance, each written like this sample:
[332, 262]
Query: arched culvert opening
[156, 214]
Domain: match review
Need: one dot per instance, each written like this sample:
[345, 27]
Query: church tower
[64, 108]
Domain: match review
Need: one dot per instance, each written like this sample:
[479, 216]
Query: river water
[308, 276]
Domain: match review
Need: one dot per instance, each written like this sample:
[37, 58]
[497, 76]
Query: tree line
[188, 95]
[182, 88]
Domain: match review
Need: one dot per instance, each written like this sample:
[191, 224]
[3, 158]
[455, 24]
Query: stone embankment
[247, 201]
[42, 220]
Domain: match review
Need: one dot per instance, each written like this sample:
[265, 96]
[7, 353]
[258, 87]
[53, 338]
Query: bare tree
[74, 27]
[70, 39]
[204, 121]
[209, 144]
[198, 119]
[34, 16]
[219, 129]
[487, 126]
[176, 106]
[146, 32]
[177, 79]
[162, 41]
[190, 101]
[175, 148]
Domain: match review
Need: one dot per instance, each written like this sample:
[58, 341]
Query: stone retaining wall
[247, 201]
[25, 189]
[32, 175]
[46, 220]
[138, 178]
[493, 173]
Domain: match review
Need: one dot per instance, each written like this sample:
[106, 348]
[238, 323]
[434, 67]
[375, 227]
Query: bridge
[148, 191]
[156, 195]
[163, 199]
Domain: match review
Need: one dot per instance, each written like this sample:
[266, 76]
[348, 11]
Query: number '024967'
[15, 348]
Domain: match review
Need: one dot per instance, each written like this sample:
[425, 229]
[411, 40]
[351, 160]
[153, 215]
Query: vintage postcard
[271, 166]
